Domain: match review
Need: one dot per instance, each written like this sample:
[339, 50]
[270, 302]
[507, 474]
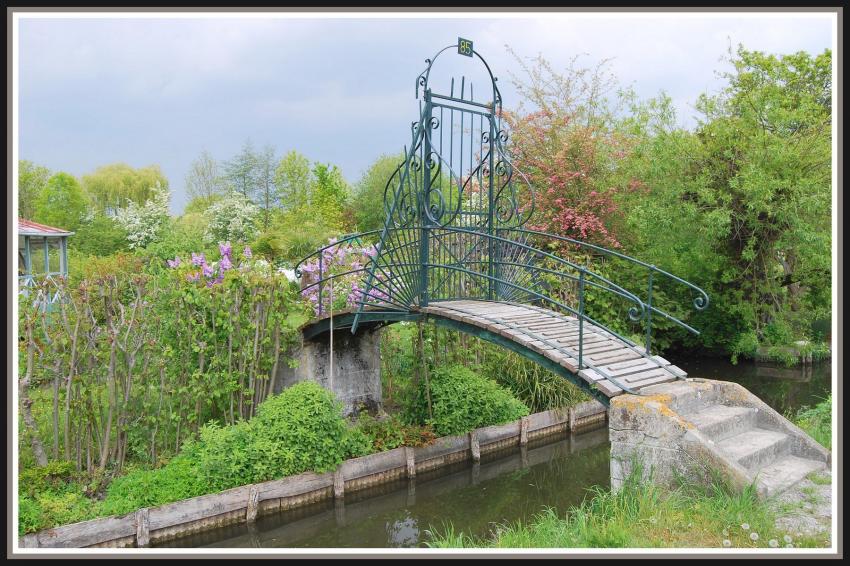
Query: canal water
[507, 486]
[784, 389]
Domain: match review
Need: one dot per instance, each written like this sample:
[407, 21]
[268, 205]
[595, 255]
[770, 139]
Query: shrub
[50, 495]
[43, 478]
[301, 429]
[179, 479]
[391, 433]
[233, 218]
[462, 400]
[817, 421]
[30, 516]
[529, 382]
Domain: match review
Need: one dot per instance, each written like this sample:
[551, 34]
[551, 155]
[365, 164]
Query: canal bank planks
[245, 503]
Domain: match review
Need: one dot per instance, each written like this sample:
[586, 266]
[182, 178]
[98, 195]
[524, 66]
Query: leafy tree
[241, 171]
[183, 236]
[767, 163]
[32, 179]
[61, 203]
[114, 186]
[741, 206]
[568, 147]
[330, 195]
[292, 180]
[146, 223]
[99, 236]
[204, 180]
[368, 199]
[200, 204]
[266, 189]
[232, 219]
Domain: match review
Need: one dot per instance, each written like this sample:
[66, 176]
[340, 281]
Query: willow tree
[114, 186]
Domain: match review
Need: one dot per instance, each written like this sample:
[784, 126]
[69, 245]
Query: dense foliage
[115, 186]
[739, 206]
[61, 203]
[455, 399]
[301, 429]
[137, 362]
[145, 223]
[817, 421]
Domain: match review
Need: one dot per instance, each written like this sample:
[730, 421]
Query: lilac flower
[225, 263]
[192, 277]
[173, 263]
[247, 252]
[208, 270]
[198, 259]
[225, 249]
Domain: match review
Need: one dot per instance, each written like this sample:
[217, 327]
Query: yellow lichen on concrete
[658, 403]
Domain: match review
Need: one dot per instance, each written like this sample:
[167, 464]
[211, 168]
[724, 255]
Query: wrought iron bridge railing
[456, 208]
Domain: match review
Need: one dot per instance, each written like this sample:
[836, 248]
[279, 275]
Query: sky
[143, 91]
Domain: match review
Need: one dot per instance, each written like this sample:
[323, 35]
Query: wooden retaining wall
[246, 503]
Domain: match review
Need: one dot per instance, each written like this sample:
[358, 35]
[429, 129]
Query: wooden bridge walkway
[556, 337]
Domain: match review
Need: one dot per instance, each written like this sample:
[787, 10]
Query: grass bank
[642, 515]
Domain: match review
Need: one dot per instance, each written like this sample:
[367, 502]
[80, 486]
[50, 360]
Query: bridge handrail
[633, 314]
[333, 244]
[640, 310]
[700, 302]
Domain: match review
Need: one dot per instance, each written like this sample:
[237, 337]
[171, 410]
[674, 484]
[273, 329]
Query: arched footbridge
[455, 249]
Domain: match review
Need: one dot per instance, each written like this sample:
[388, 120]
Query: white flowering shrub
[232, 219]
[145, 223]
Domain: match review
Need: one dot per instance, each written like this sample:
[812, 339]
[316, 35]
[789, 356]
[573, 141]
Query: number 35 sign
[464, 47]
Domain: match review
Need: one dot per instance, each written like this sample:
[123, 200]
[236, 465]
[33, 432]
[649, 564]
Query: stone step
[756, 448]
[685, 397]
[784, 473]
[719, 422]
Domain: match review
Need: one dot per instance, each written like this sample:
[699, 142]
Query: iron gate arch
[456, 174]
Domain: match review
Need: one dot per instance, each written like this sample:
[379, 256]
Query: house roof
[30, 228]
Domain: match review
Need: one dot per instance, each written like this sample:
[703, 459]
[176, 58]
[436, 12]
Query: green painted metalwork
[455, 213]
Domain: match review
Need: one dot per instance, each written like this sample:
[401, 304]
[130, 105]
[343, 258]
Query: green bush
[30, 516]
[50, 495]
[537, 387]
[462, 400]
[304, 429]
[391, 433]
[43, 478]
[299, 430]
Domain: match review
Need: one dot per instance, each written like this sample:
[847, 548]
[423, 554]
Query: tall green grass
[817, 421]
[643, 515]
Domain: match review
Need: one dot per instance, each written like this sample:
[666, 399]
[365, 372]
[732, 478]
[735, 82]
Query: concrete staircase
[713, 424]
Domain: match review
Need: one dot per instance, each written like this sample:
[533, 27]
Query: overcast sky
[159, 91]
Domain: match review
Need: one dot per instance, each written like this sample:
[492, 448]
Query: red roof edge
[30, 225]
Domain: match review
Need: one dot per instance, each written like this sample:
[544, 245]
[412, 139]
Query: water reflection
[505, 487]
[784, 389]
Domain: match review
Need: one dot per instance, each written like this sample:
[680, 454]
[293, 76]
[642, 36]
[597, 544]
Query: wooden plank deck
[610, 364]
